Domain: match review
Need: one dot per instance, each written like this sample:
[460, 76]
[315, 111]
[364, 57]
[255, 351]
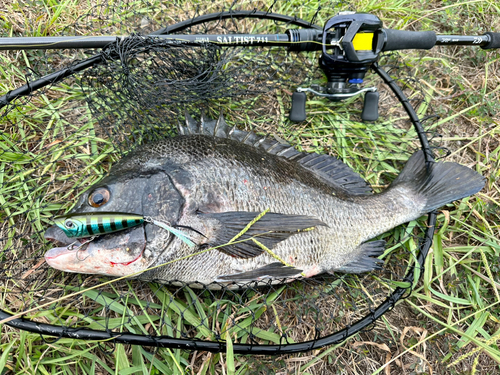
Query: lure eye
[68, 224]
[99, 197]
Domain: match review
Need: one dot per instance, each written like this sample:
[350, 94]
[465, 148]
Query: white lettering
[219, 39]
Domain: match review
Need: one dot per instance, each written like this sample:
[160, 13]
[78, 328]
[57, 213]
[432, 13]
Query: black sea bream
[211, 181]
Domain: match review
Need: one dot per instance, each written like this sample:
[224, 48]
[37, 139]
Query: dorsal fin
[336, 172]
[329, 168]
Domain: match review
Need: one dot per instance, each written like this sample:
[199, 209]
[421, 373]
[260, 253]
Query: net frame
[190, 344]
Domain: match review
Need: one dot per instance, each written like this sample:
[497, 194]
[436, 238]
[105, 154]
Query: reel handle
[298, 111]
[370, 106]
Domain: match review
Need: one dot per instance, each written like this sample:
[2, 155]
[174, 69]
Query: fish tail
[437, 184]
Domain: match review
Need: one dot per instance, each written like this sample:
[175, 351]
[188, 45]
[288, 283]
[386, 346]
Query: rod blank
[65, 42]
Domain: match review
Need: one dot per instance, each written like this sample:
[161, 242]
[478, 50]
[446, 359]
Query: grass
[450, 323]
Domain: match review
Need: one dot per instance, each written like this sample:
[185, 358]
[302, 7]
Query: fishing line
[190, 228]
[79, 224]
[165, 225]
[5, 320]
[270, 252]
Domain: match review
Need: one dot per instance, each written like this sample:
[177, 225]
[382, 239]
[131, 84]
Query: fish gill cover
[59, 140]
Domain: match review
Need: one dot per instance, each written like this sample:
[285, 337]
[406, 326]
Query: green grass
[449, 324]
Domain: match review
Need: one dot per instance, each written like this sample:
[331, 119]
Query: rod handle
[494, 40]
[402, 39]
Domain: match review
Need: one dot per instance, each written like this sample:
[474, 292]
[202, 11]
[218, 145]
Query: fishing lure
[81, 225]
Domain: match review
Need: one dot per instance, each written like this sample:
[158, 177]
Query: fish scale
[327, 251]
[320, 215]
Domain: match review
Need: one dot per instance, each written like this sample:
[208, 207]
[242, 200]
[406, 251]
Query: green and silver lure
[93, 224]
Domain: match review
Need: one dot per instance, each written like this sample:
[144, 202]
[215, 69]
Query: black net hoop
[118, 122]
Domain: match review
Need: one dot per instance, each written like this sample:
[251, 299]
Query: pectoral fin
[275, 270]
[268, 230]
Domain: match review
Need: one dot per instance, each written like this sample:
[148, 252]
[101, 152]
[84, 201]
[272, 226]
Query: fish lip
[56, 235]
[61, 240]
[75, 246]
[104, 255]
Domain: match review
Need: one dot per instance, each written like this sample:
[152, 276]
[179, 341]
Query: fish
[256, 209]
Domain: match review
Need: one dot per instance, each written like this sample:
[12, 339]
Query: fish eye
[99, 197]
[68, 224]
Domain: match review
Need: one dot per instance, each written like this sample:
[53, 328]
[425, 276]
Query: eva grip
[494, 40]
[402, 39]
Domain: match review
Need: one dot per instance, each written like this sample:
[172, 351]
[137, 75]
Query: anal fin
[274, 270]
[367, 258]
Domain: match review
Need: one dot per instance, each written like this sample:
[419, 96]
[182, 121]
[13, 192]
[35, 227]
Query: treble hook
[71, 247]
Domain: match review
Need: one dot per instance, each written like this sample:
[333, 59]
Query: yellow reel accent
[363, 41]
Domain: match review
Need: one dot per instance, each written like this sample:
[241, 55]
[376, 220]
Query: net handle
[235, 14]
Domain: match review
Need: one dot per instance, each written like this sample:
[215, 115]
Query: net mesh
[59, 140]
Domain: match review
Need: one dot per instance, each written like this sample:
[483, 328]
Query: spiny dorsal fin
[332, 170]
[220, 128]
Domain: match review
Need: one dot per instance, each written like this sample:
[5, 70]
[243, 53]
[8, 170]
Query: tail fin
[438, 183]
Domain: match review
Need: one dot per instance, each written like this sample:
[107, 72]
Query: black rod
[228, 40]
[462, 40]
[57, 76]
[55, 42]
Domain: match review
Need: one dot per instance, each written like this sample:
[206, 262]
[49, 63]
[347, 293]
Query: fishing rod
[296, 39]
[350, 43]
[305, 40]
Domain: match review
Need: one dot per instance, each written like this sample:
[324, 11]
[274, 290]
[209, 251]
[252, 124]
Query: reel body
[351, 43]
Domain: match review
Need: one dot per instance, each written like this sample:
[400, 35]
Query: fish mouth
[57, 236]
[61, 247]
[113, 254]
